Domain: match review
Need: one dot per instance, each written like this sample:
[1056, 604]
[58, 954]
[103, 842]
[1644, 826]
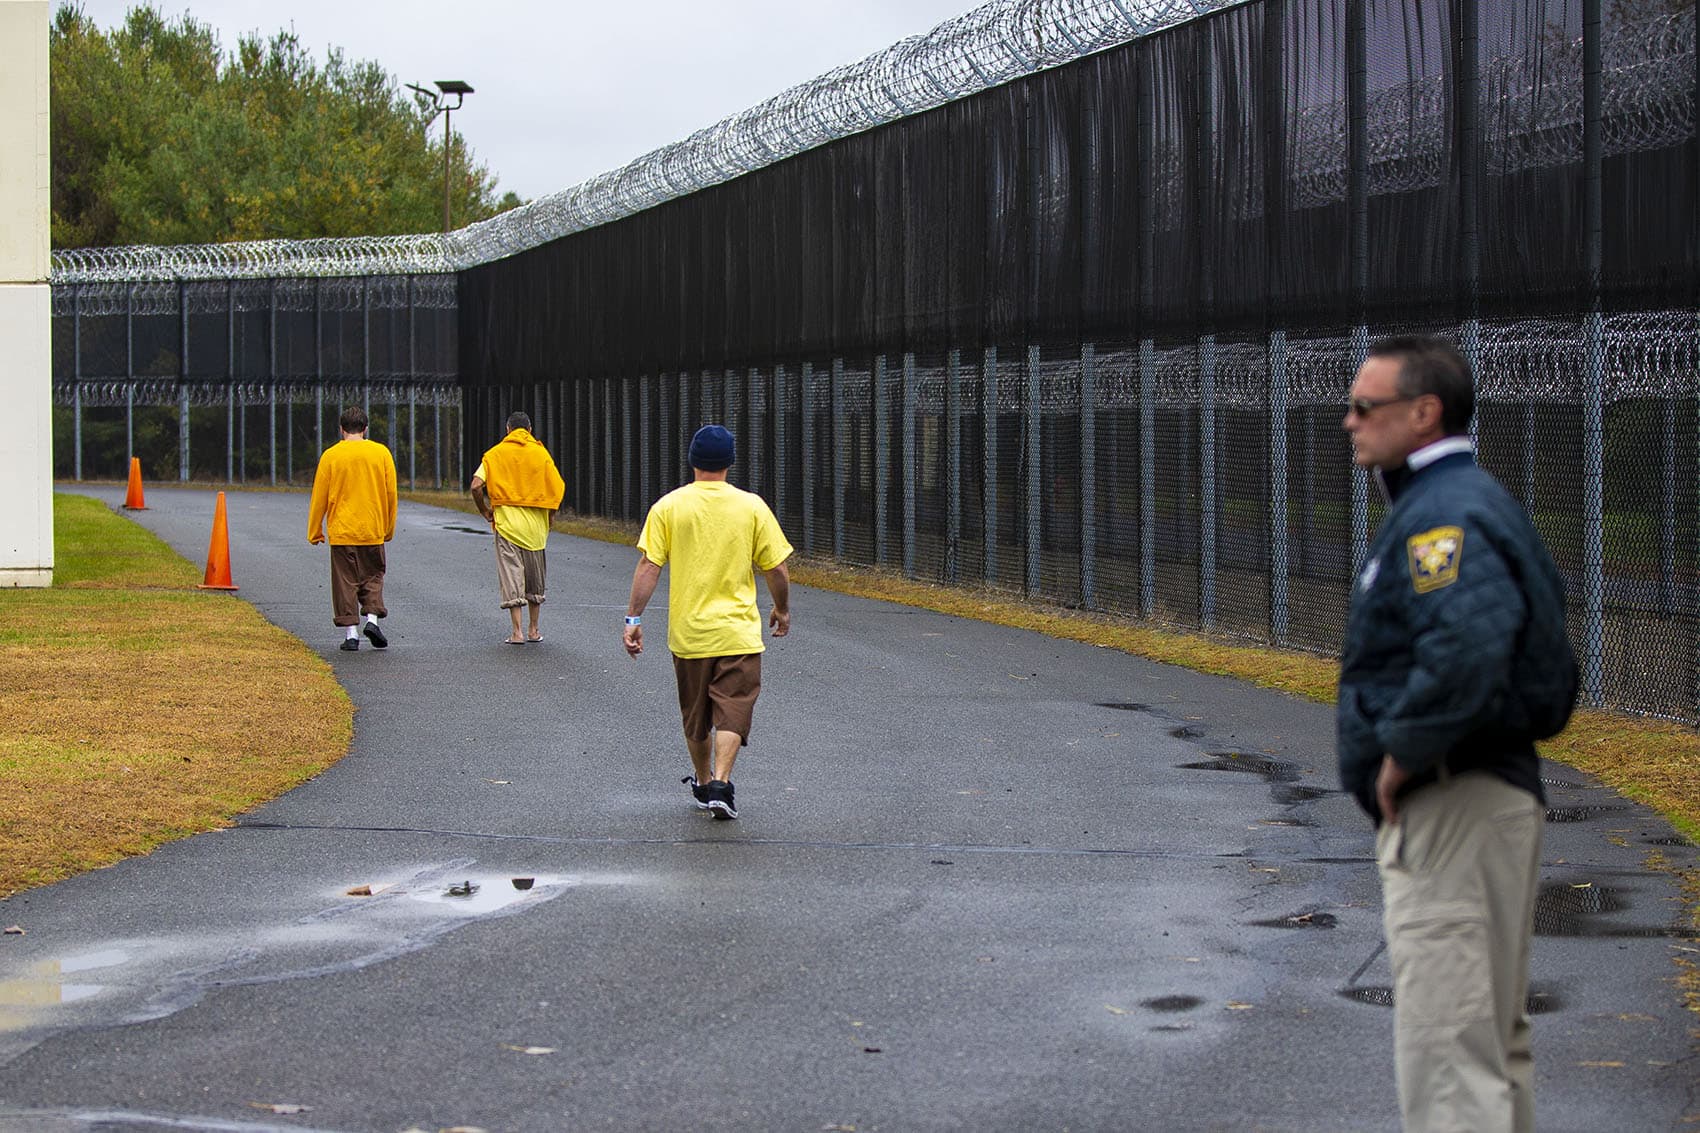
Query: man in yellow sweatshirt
[354, 498]
[518, 490]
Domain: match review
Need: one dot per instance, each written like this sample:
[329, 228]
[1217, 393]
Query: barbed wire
[1536, 112]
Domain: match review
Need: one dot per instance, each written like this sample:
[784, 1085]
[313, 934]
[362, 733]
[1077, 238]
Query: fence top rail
[1650, 63]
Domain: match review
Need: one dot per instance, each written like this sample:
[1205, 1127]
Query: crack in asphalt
[803, 843]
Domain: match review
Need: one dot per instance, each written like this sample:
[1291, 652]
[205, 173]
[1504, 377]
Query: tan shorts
[520, 574]
[719, 693]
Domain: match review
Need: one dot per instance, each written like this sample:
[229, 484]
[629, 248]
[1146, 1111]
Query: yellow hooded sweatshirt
[354, 495]
[519, 473]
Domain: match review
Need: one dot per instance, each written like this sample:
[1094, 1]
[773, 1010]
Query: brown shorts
[718, 692]
[357, 582]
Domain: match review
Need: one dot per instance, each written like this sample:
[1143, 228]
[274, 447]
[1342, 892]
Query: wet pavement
[982, 880]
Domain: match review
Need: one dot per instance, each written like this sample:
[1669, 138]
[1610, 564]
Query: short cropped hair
[1433, 365]
[518, 420]
[353, 420]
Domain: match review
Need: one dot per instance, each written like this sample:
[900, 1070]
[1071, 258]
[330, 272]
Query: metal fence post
[882, 458]
[1360, 478]
[1088, 476]
[129, 370]
[1035, 472]
[806, 448]
[1147, 477]
[644, 496]
[1279, 628]
[183, 433]
[781, 438]
[839, 457]
[1593, 412]
[628, 451]
[910, 405]
[754, 416]
[77, 429]
[608, 505]
[1207, 533]
[989, 469]
[953, 465]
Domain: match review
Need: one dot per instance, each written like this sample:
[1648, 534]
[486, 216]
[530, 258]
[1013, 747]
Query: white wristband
[631, 621]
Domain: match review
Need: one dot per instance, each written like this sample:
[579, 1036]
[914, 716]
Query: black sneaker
[717, 797]
[350, 644]
[379, 641]
[698, 791]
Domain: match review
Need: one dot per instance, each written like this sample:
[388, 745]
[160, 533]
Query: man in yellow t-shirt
[716, 536]
[518, 489]
[354, 499]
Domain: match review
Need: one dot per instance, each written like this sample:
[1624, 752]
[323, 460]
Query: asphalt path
[982, 880]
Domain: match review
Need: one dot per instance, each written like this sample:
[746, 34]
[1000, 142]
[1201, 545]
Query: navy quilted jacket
[1456, 654]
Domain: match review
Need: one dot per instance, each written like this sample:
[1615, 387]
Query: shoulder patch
[1434, 557]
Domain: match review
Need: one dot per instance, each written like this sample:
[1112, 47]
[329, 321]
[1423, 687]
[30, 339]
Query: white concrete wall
[26, 356]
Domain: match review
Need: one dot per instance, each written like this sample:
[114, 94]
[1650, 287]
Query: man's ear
[1429, 411]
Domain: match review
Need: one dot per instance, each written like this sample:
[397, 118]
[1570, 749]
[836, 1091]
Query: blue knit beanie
[713, 449]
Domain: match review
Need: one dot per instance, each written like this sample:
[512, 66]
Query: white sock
[372, 618]
[353, 631]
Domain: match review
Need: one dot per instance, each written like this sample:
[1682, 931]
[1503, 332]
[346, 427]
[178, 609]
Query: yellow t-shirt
[716, 536]
[525, 527]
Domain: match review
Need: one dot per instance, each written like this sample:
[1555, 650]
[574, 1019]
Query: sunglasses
[1364, 406]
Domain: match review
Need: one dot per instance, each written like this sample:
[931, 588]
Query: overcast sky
[565, 90]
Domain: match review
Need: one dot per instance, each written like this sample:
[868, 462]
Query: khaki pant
[519, 574]
[1458, 875]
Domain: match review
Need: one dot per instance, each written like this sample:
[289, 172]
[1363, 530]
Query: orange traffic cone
[133, 500]
[218, 552]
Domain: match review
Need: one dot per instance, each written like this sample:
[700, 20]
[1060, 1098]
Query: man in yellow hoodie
[354, 498]
[518, 490]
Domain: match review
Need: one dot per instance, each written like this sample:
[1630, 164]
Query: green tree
[161, 137]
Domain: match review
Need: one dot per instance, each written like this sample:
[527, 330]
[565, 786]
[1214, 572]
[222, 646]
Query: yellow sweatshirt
[354, 495]
[519, 473]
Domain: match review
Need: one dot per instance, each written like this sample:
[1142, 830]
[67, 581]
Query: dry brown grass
[138, 709]
[1652, 761]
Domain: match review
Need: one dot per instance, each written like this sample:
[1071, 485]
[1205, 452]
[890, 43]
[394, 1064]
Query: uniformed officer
[1455, 661]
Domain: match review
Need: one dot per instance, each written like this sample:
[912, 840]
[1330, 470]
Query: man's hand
[780, 620]
[632, 639]
[1387, 784]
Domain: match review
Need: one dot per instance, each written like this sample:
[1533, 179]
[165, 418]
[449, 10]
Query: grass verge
[139, 709]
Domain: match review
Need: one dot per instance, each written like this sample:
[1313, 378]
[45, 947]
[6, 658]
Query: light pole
[445, 87]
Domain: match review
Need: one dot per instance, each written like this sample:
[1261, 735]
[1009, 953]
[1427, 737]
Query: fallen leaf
[1013, 677]
[1115, 1010]
[1583, 885]
[281, 1107]
[14, 930]
[1611, 1065]
[872, 1050]
[1633, 1017]
[359, 891]
[838, 1129]
[463, 1129]
[1236, 1005]
[528, 1049]
[1192, 959]
[499, 782]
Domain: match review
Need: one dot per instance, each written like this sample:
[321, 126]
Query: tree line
[160, 136]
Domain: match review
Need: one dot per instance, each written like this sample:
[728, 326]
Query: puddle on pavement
[477, 896]
[1300, 920]
[21, 999]
[1271, 769]
[1171, 1003]
[1538, 1001]
[1578, 813]
[1122, 705]
[1563, 909]
[1288, 794]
